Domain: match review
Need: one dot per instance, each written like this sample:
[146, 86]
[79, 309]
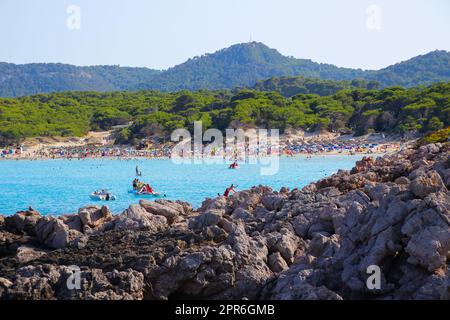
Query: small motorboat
[102, 195]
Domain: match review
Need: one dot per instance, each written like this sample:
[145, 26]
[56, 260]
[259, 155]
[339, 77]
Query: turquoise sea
[63, 186]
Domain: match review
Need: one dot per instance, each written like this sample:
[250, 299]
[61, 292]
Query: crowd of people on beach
[86, 153]
[165, 151]
[340, 148]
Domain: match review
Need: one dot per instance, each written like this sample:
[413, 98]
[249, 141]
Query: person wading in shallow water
[229, 189]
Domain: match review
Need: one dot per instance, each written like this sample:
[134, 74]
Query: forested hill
[240, 65]
[291, 86]
[423, 69]
[243, 65]
[28, 79]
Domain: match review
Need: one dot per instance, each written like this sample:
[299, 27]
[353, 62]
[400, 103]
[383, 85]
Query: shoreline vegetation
[151, 116]
[313, 243]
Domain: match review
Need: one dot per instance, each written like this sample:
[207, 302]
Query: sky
[367, 34]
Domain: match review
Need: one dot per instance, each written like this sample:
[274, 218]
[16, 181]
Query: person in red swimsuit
[228, 190]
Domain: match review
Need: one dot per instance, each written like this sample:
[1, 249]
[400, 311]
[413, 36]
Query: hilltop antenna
[251, 40]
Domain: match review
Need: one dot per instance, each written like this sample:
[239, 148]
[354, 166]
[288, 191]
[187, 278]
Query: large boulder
[26, 254]
[23, 222]
[206, 219]
[276, 262]
[220, 202]
[273, 201]
[47, 282]
[4, 285]
[94, 216]
[55, 234]
[427, 183]
[137, 218]
[168, 209]
[298, 284]
[285, 242]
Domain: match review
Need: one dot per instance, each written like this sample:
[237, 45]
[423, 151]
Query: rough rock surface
[392, 212]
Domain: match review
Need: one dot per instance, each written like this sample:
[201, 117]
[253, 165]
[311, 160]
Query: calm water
[62, 186]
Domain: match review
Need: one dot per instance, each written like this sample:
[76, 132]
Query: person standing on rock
[229, 189]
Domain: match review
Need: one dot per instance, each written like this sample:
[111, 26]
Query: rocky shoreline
[315, 243]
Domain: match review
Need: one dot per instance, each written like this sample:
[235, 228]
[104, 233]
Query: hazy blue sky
[162, 33]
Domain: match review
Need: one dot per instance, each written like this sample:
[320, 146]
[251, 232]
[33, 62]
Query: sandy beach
[101, 145]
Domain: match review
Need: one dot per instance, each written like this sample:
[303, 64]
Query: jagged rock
[137, 218]
[363, 165]
[263, 214]
[23, 222]
[220, 202]
[54, 233]
[425, 184]
[429, 247]
[285, 242]
[402, 180]
[276, 262]
[242, 214]
[187, 208]
[26, 254]
[74, 222]
[273, 201]
[214, 233]
[446, 177]
[94, 216]
[330, 192]
[4, 285]
[170, 210]
[251, 259]
[46, 282]
[206, 219]
[377, 191]
[295, 285]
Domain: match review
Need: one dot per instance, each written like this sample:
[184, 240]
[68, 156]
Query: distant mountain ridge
[240, 65]
[27, 79]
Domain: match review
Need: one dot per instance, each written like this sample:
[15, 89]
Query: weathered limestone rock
[137, 218]
[46, 282]
[170, 210]
[206, 219]
[425, 184]
[54, 233]
[276, 262]
[273, 201]
[27, 254]
[4, 285]
[23, 222]
[94, 216]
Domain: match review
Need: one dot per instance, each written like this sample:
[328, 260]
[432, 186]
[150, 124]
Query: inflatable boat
[102, 195]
